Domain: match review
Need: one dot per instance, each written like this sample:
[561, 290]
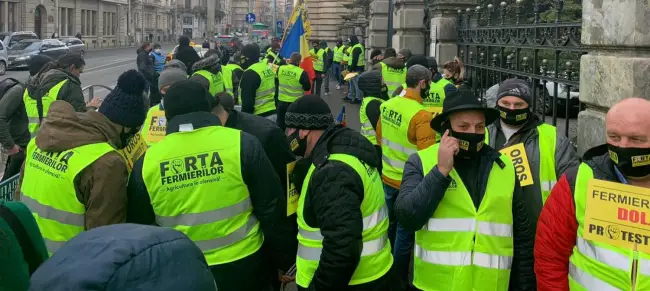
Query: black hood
[210, 64]
[598, 159]
[370, 84]
[338, 139]
[354, 40]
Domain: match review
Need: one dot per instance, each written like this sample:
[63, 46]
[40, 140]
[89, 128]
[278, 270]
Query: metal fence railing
[92, 90]
[496, 43]
[8, 188]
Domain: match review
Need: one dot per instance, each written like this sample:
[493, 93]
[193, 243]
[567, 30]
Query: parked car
[11, 38]
[75, 45]
[21, 52]
[3, 59]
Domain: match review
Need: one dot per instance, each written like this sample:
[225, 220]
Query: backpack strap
[29, 251]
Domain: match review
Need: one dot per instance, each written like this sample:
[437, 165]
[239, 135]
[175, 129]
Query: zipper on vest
[635, 266]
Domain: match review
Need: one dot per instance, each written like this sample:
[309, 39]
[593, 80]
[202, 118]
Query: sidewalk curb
[88, 49]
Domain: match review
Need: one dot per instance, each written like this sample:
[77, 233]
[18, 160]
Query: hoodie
[126, 257]
[211, 65]
[355, 55]
[328, 56]
[334, 206]
[102, 185]
[186, 54]
[70, 92]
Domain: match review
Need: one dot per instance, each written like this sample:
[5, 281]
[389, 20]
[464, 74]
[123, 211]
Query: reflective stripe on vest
[264, 96]
[338, 53]
[155, 120]
[215, 80]
[396, 115]
[436, 94]
[599, 266]
[271, 53]
[547, 137]
[361, 62]
[182, 193]
[367, 129]
[48, 189]
[289, 87]
[31, 106]
[392, 77]
[376, 258]
[461, 247]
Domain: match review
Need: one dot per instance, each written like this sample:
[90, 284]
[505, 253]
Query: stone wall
[378, 25]
[616, 67]
[325, 17]
[408, 24]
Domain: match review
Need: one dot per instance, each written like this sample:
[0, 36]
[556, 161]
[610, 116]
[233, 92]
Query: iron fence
[496, 42]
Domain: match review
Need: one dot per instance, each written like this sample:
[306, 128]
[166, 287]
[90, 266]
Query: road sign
[250, 18]
[278, 25]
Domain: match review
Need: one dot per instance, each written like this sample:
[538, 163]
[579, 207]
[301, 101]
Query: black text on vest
[394, 70]
[158, 123]
[391, 117]
[57, 161]
[433, 97]
[268, 73]
[288, 73]
[518, 163]
[191, 170]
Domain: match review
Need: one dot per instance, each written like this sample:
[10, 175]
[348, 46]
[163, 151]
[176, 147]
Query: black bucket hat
[462, 100]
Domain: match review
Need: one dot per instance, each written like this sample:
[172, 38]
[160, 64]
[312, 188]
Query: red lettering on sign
[633, 216]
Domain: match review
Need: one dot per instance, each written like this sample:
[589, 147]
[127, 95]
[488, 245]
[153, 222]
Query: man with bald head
[564, 259]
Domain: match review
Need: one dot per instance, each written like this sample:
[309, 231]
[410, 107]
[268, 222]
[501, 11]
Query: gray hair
[415, 74]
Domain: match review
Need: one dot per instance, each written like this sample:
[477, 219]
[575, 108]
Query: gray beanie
[517, 88]
[170, 76]
[176, 64]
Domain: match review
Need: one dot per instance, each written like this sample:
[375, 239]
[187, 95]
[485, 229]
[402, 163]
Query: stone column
[615, 66]
[378, 25]
[408, 25]
[443, 30]
[5, 13]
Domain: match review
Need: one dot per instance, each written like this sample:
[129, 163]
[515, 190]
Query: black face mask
[632, 162]
[125, 137]
[424, 92]
[298, 146]
[469, 144]
[383, 94]
[513, 117]
[300, 171]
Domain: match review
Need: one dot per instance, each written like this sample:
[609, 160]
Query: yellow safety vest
[48, 189]
[32, 109]
[318, 65]
[361, 62]
[376, 259]
[195, 183]
[339, 53]
[392, 77]
[347, 54]
[216, 81]
[289, 88]
[155, 126]
[367, 129]
[599, 266]
[264, 96]
[228, 71]
[436, 94]
[396, 115]
[547, 140]
[462, 248]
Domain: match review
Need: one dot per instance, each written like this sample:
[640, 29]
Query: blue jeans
[354, 93]
[400, 240]
[336, 70]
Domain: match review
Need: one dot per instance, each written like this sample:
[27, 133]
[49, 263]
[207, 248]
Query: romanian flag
[296, 42]
[341, 118]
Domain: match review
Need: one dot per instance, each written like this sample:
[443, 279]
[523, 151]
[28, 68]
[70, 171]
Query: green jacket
[22, 248]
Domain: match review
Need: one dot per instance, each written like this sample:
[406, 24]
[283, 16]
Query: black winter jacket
[248, 85]
[188, 56]
[333, 205]
[13, 117]
[356, 54]
[421, 193]
[146, 68]
[251, 273]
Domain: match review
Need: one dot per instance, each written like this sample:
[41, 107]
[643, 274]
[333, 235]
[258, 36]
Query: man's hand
[13, 150]
[95, 103]
[446, 152]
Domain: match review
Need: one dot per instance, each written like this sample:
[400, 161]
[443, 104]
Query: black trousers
[14, 163]
[318, 82]
[281, 111]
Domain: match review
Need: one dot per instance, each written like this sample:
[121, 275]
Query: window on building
[115, 24]
[84, 23]
[187, 20]
[71, 23]
[188, 3]
[94, 22]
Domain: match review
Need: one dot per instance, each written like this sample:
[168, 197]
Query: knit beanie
[417, 60]
[176, 64]
[515, 87]
[171, 76]
[251, 51]
[37, 62]
[309, 112]
[125, 105]
[185, 97]
[406, 53]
